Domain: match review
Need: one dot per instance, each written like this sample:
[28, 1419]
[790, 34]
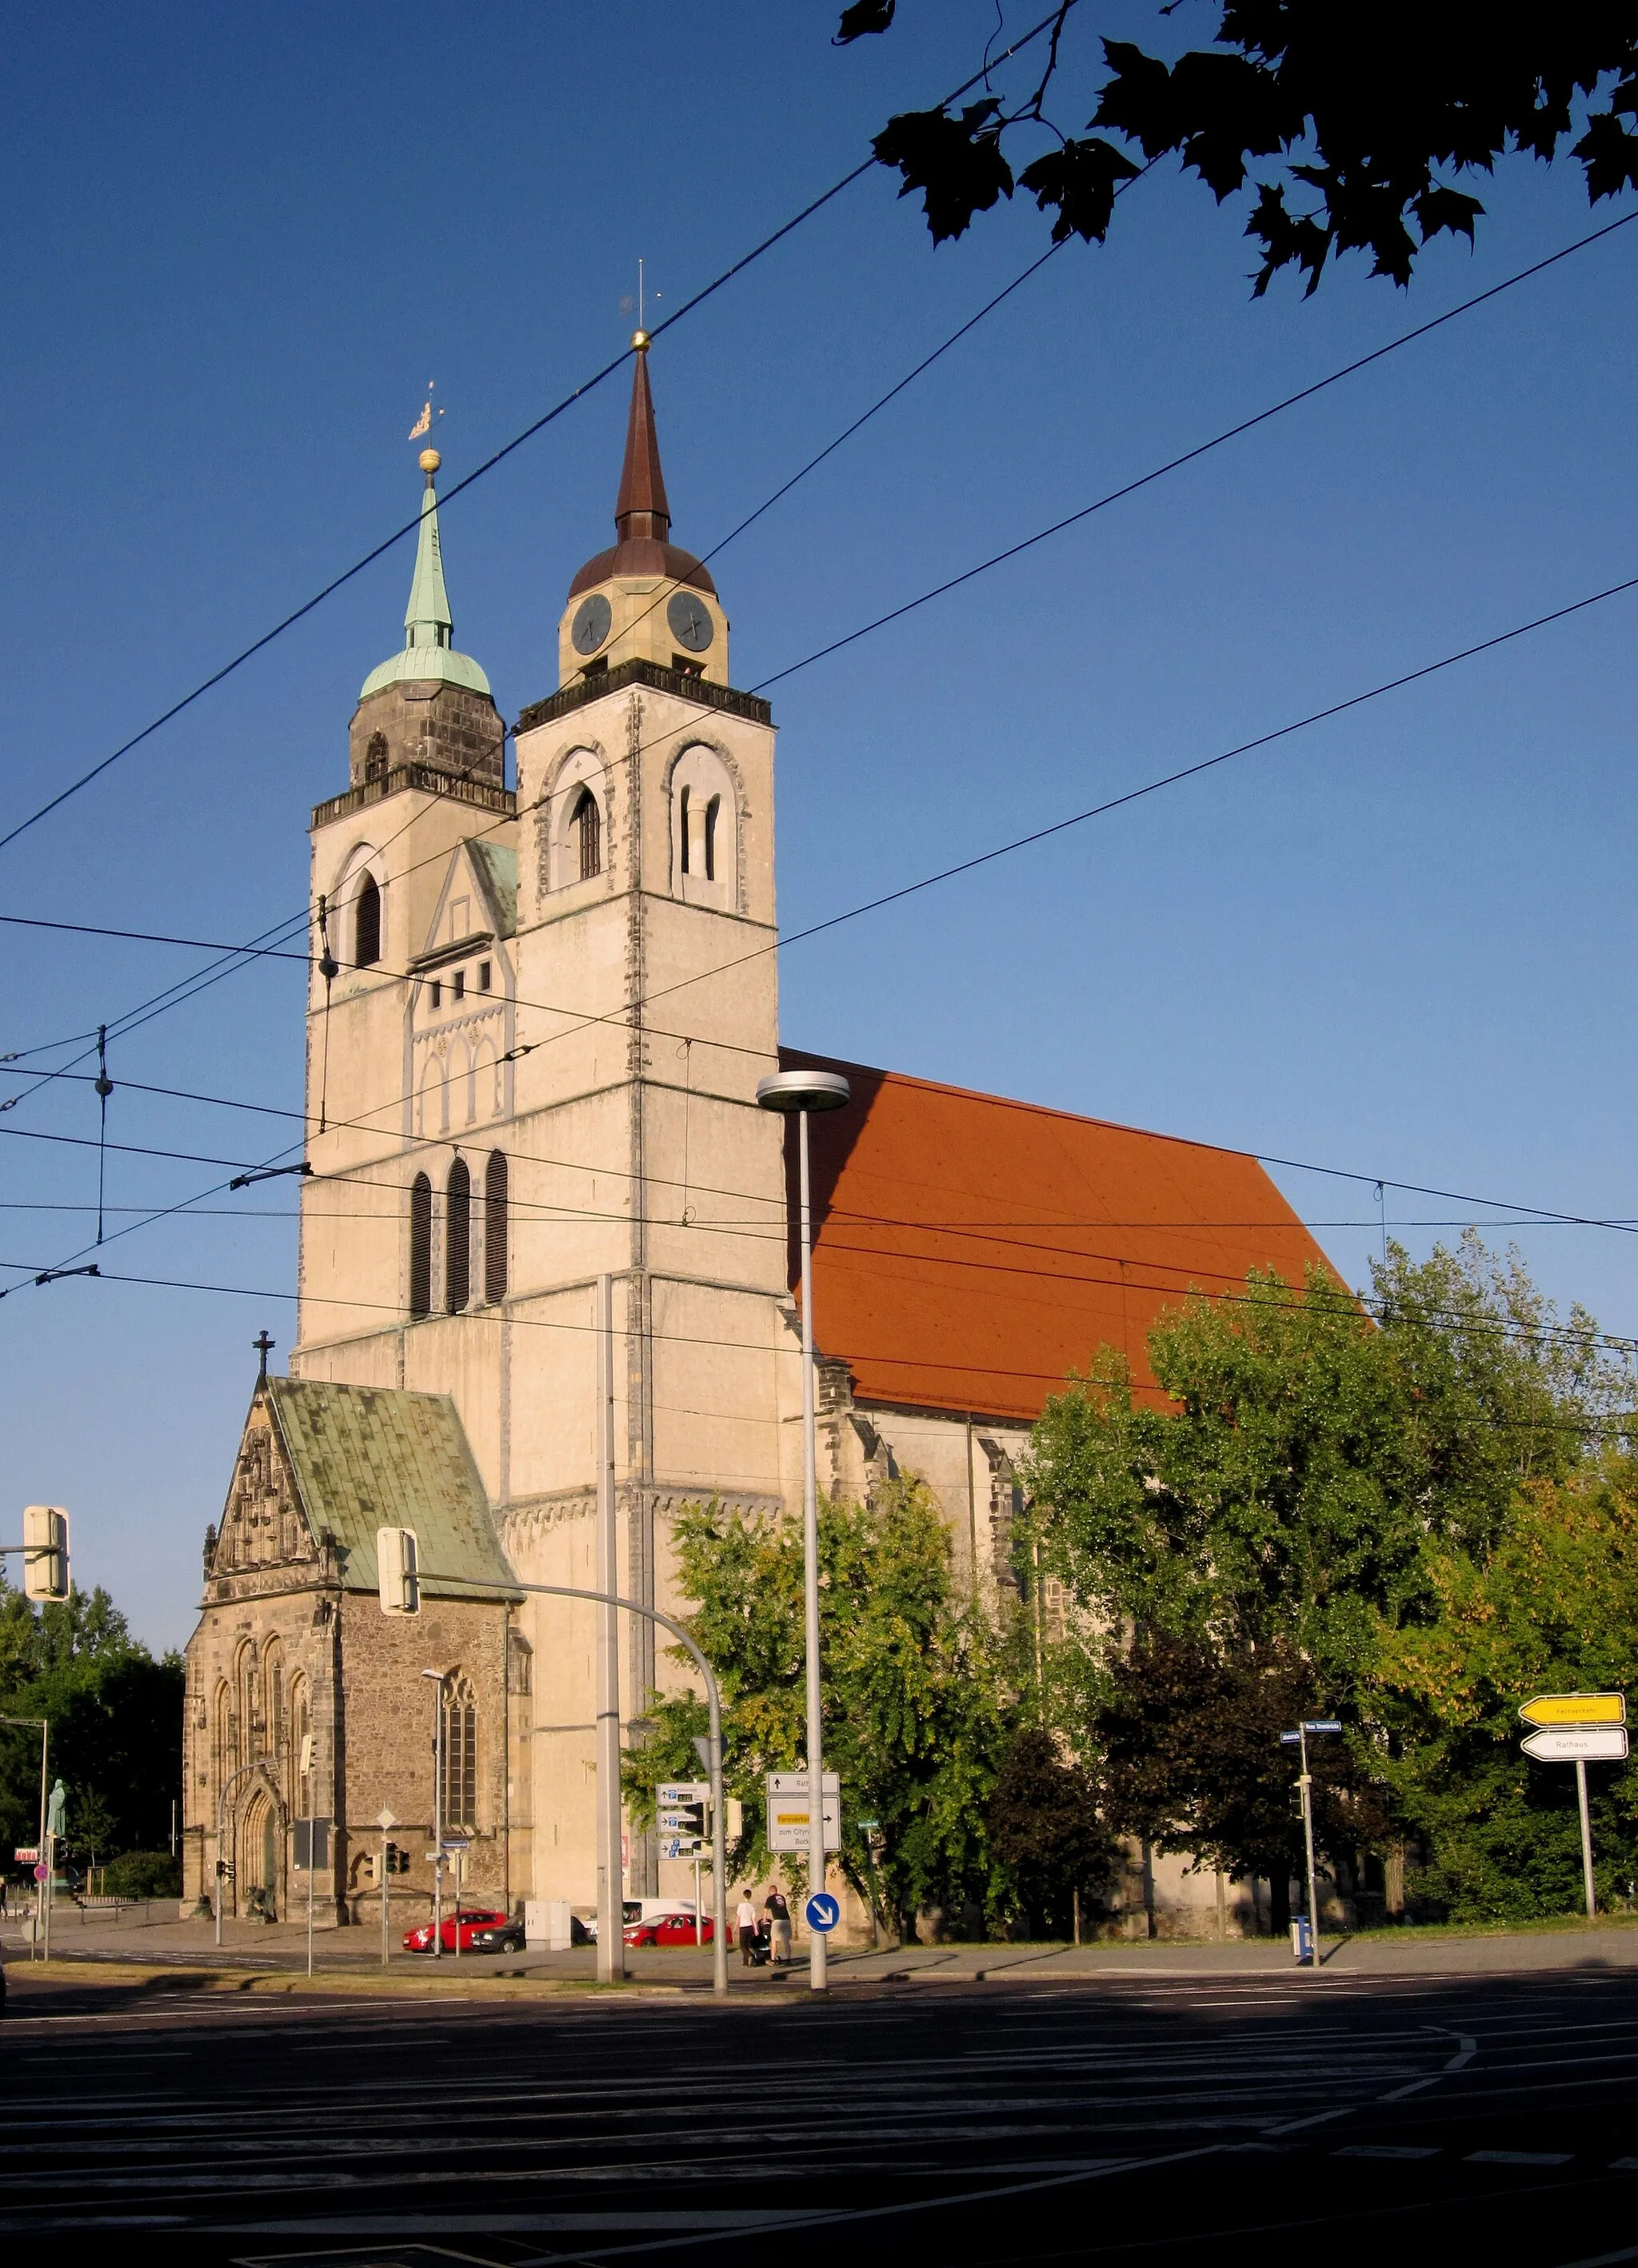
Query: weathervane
[424, 423]
[629, 306]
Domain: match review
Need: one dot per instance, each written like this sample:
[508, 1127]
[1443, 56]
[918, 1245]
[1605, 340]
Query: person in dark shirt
[779, 1926]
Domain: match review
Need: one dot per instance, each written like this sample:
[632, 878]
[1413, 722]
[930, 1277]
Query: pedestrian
[779, 1926]
[746, 1921]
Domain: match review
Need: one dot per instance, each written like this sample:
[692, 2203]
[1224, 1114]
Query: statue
[55, 1810]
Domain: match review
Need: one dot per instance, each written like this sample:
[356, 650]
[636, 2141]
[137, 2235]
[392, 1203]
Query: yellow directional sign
[1576, 1709]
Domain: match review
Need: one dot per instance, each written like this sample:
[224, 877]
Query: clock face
[591, 623]
[690, 624]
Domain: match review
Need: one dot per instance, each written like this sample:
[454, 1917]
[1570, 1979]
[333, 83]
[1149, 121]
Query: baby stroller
[762, 1945]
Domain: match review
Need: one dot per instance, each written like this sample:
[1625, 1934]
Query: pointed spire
[641, 508]
[426, 618]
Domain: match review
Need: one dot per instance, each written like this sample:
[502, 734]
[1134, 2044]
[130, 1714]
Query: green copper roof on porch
[427, 652]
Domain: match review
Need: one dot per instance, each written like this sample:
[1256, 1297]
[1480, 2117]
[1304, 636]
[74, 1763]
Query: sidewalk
[255, 1954]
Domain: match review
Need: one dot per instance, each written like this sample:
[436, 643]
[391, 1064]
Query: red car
[669, 1929]
[482, 1930]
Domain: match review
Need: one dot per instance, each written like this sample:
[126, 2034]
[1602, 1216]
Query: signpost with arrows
[1579, 1729]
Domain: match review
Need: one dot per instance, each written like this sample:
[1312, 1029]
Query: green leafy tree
[1244, 1546]
[1552, 1608]
[914, 1710]
[1351, 125]
[1191, 1762]
[1045, 1831]
[115, 1716]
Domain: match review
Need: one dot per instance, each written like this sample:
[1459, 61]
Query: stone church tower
[537, 1061]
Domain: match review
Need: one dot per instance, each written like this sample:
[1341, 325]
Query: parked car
[674, 1928]
[634, 1909]
[482, 1930]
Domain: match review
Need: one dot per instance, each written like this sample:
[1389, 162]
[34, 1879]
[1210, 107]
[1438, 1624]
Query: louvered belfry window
[420, 1246]
[367, 923]
[495, 1229]
[589, 824]
[458, 1238]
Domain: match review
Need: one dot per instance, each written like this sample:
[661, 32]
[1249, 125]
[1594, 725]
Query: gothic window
[713, 811]
[495, 1226]
[588, 825]
[684, 847]
[225, 1731]
[458, 1238]
[375, 757]
[248, 1745]
[300, 1732]
[273, 1700]
[459, 1804]
[367, 923]
[520, 1666]
[420, 1246]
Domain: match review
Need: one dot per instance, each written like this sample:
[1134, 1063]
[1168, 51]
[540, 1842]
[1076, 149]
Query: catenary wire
[1156, 473]
[497, 457]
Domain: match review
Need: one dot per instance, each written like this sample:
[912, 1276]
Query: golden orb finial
[429, 461]
[639, 339]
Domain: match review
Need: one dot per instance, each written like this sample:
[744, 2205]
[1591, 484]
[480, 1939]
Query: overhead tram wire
[1157, 473]
[1152, 787]
[1101, 810]
[1344, 1300]
[498, 456]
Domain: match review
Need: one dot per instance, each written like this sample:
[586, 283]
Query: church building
[536, 1026]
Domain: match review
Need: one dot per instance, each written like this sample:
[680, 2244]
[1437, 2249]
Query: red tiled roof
[970, 1251]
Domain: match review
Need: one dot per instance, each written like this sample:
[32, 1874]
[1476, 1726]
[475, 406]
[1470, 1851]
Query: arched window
[226, 1730]
[375, 757]
[458, 1238]
[460, 1790]
[300, 1732]
[366, 949]
[273, 1698]
[420, 1246]
[495, 1228]
[588, 822]
[704, 830]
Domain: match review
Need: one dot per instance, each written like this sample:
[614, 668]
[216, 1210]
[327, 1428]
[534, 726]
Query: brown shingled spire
[641, 508]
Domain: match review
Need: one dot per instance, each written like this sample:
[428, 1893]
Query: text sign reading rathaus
[1576, 1728]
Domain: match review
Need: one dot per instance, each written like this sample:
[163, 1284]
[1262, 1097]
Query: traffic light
[397, 1558]
[45, 1552]
[225, 1869]
[397, 1859]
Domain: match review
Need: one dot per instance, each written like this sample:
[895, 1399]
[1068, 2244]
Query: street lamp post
[1305, 1783]
[800, 1093]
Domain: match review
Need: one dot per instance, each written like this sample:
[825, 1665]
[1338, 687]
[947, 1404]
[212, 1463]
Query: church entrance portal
[259, 1885]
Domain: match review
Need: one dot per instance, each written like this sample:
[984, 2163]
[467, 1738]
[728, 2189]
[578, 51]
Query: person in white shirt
[745, 1920]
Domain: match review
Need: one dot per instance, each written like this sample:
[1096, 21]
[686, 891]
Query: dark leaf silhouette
[1079, 181]
[864, 17]
[955, 162]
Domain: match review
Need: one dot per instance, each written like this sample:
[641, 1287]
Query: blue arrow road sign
[822, 1912]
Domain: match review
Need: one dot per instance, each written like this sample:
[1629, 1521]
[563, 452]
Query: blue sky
[237, 247]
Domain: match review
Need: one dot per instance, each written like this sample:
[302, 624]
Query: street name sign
[1576, 1709]
[1569, 1744]
[787, 1794]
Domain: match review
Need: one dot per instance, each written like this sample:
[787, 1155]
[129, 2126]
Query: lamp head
[790, 1090]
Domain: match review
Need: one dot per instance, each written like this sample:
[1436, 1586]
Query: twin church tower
[535, 1025]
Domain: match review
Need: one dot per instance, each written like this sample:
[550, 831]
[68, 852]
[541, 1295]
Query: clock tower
[578, 981]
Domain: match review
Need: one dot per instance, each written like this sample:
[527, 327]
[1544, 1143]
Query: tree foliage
[116, 1724]
[1552, 1608]
[1323, 1511]
[1047, 1833]
[1351, 125]
[914, 1717]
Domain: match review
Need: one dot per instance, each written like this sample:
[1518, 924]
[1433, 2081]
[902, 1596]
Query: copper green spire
[426, 617]
[427, 652]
